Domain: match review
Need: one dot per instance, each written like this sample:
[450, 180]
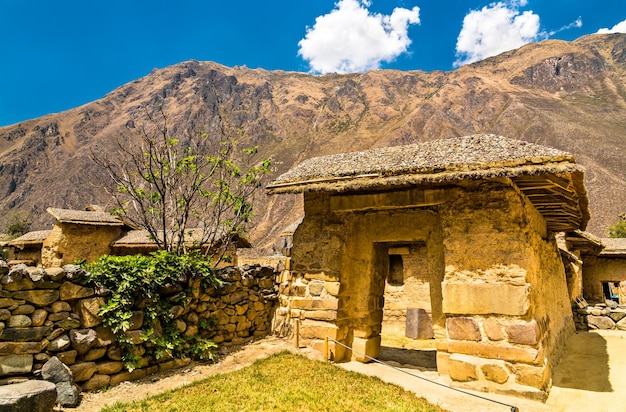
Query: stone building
[605, 274]
[80, 234]
[27, 248]
[463, 229]
[139, 242]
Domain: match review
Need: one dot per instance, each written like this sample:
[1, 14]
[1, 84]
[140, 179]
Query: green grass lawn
[284, 382]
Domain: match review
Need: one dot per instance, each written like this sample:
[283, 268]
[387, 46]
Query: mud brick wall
[48, 312]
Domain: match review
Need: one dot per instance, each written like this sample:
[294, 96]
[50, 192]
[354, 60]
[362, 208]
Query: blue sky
[59, 55]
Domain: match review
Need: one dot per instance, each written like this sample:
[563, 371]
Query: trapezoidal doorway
[407, 332]
[393, 265]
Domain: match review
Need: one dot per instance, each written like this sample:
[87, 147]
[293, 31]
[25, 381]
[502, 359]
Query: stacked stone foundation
[49, 312]
[604, 316]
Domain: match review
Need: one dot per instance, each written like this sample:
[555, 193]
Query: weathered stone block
[485, 298]
[15, 364]
[24, 334]
[88, 311]
[332, 288]
[57, 316]
[462, 328]
[526, 333]
[94, 354]
[462, 368]
[364, 349]
[5, 314]
[442, 363]
[39, 317]
[29, 396]
[493, 330]
[59, 344]
[320, 314]
[316, 287]
[15, 348]
[313, 304]
[22, 284]
[617, 316]
[67, 357]
[55, 273]
[83, 371]
[418, 324]
[97, 382]
[23, 310]
[41, 297]
[83, 339]
[621, 325]
[535, 376]
[60, 306]
[495, 372]
[310, 329]
[19, 321]
[109, 368]
[600, 322]
[8, 302]
[503, 352]
[68, 324]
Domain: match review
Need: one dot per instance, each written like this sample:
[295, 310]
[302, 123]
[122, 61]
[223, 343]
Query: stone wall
[606, 316]
[505, 294]
[47, 312]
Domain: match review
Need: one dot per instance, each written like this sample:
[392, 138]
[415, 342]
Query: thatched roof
[551, 178]
[142, 238]
[85, 217]
[31, 238]
[614, 247]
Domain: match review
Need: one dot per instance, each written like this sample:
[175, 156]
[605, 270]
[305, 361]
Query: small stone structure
[80, 234]
[461, 228]
[27, 248]
[46, 313]
[605, 273]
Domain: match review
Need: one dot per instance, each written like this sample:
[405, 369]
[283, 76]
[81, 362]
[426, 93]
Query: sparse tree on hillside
[619, 228]
[17, 222]
[169, 185]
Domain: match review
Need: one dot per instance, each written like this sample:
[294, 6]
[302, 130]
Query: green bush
[129, 280]
[618, 229]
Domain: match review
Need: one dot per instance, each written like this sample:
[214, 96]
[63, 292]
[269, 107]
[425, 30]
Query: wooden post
[326, 357]
[297, 341]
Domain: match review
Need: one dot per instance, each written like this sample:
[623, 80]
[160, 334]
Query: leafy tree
[18, 222]
[619, 228]
[185, 188]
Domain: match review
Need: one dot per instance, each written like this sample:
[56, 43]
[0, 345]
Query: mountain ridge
[566, 95]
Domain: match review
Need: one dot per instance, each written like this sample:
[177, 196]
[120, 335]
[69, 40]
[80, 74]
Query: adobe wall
[598, 270]
[47, 312]
[505, 295]
[68, 243]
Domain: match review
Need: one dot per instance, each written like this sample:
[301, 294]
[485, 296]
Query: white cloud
[351, 39]
[618, 28]
[495, 29]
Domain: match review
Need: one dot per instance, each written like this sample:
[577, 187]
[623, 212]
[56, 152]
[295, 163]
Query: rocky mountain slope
[568, 95]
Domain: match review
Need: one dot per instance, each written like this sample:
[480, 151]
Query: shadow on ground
[425, 360]
[585, 365]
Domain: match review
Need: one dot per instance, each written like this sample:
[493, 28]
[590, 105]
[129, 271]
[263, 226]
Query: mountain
[567, 95]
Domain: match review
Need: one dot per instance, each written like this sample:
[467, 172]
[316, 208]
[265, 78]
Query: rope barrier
[513, 408]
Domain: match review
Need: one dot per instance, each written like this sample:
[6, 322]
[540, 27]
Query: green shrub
[129, 280]
[618, 229]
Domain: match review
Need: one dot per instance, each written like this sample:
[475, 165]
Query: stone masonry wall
[47, 312]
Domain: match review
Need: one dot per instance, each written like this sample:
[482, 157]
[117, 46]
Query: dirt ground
[591, 376]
